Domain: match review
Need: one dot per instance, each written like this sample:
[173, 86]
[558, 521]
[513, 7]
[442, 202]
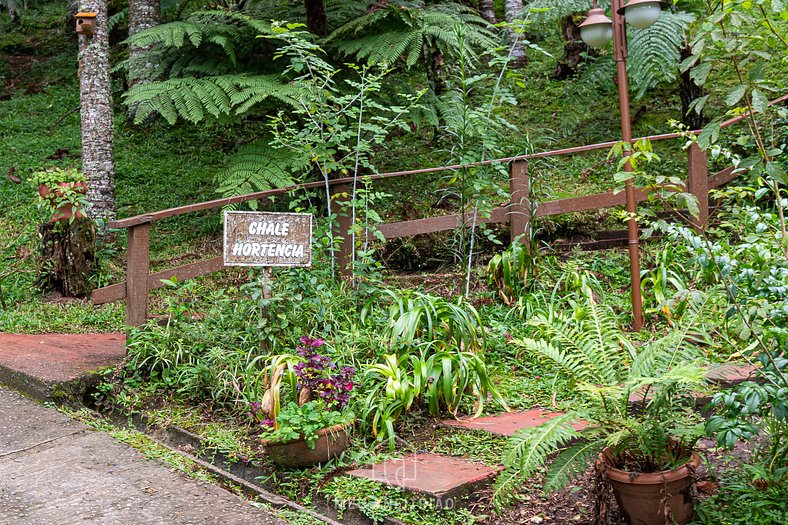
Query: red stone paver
[441, 477]
[37, 363]
[730, 375]
[508, 423]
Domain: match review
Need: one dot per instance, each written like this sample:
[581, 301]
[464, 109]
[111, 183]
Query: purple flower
[315, 372]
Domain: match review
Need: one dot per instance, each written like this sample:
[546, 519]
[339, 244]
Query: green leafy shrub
[436, 379]
[305, 421]
[415, 317]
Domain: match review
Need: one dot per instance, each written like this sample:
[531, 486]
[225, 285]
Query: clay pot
[66, 210]
[330, 443]
[642, 497]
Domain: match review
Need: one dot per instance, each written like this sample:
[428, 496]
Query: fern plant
[409, 33]
[635, 402]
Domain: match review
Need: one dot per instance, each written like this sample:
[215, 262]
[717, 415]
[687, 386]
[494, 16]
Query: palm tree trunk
[316, 17]
[98, 159]
[487, 11]
[513, 10]
[143, 14]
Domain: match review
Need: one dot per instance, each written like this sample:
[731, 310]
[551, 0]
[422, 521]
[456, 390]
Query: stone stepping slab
[508, 423]
[57, 366]
[445, 479]
[730, 375]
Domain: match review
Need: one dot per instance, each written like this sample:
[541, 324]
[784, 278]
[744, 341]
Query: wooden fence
[139, 280]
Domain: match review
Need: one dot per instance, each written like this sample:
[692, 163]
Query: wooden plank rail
[517, 213]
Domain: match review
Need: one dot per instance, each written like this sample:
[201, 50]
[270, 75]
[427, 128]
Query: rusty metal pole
[620, 51]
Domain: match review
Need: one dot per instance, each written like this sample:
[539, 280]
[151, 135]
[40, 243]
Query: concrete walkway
[56, 471]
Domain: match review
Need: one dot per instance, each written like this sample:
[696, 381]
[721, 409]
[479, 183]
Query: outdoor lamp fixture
[596, 31]
[641, 13]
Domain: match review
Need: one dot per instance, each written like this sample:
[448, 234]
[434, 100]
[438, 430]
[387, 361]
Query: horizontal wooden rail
[394, 230]
[217, 203]
[116, 292]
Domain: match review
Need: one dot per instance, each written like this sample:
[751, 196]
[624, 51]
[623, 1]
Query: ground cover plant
[228, 112]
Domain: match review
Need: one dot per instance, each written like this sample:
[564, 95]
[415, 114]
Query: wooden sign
[267, 239]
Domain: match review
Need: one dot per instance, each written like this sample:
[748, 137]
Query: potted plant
[62, 191]
[639, 420]
[312, 427]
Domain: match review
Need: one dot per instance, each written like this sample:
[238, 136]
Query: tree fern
[258, 167]
[400, 31]
[654, 53]
[192, 99]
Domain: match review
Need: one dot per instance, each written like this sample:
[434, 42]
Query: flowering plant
[321, 392]
[319, 376]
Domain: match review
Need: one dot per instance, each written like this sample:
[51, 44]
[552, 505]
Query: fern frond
[258, 167]
[401, 29]
[527, 451]
[571, 464]
[192, 98]
[655, 52]
[172, 34]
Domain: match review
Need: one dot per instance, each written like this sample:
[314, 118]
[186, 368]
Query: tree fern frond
[173, 34]
[191, 98]
[257, 167]
[401, 29]
[654, 53]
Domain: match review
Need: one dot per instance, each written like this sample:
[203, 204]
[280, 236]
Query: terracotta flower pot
[65, 211]
[655, 498]
[330, 443]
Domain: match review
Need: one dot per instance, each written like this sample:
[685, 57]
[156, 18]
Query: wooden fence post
[698, 183]
[138, 268]
[520, 206]
[340, 195]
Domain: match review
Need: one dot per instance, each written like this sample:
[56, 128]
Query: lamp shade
[597, 29]
[642, 13]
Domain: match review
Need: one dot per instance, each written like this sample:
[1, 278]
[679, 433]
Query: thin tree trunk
[143, 14]
[433, 63]
[316, 17]
[573, 48]
[487, 11]
[512, 11]
[689, 91]
[98, 159]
